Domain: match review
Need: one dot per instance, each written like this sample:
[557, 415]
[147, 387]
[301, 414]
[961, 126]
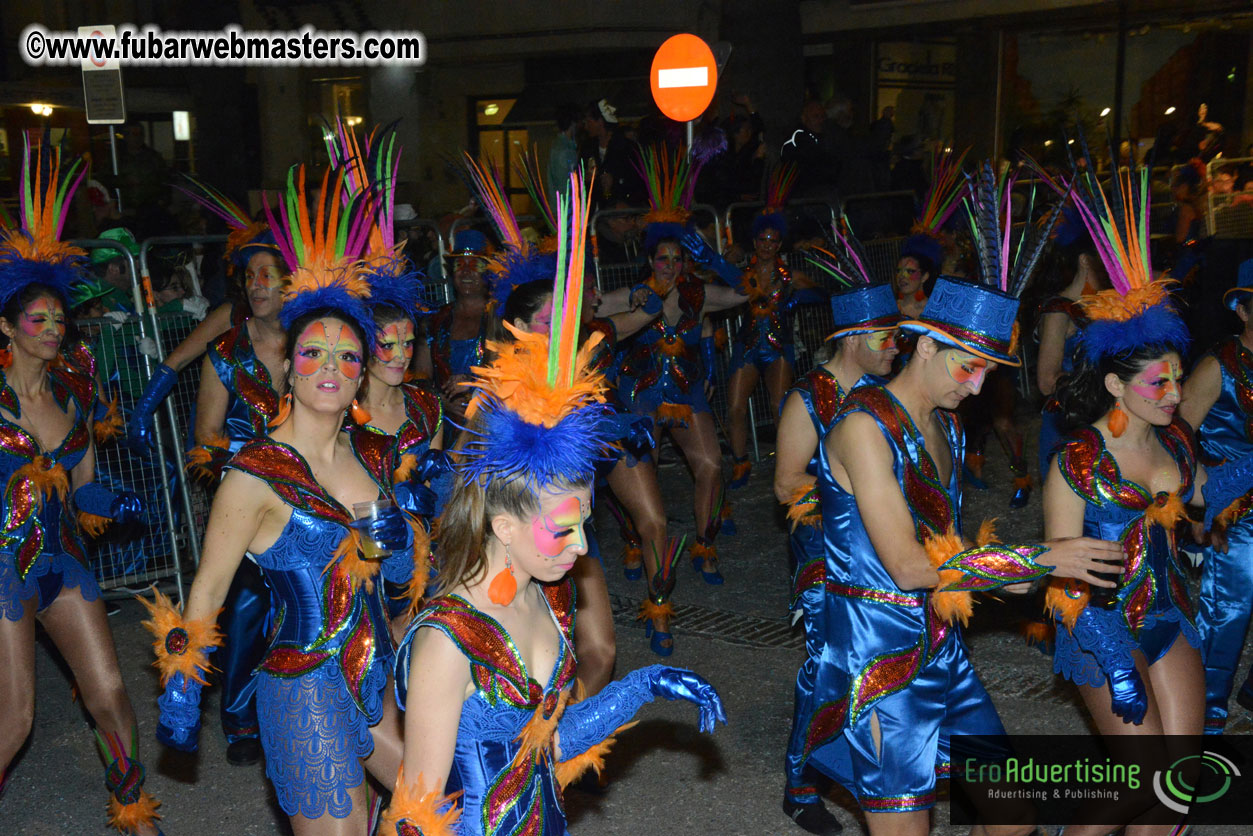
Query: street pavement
[663, 776]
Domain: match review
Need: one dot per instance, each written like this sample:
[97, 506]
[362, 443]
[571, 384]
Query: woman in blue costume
[285, 500]
[47, 463]
[486, 671]
[1125, 474]
[455, 331]
[763, 343]
[1218, 403]
[864, 342]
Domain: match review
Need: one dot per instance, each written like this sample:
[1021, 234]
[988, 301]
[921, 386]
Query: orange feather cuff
[181, 646]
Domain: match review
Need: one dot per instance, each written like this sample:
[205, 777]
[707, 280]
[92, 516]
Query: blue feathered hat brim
[517, 268]
[658, 230]
[1158, 325]
[17, 274]
[770, 220]
[333, 297]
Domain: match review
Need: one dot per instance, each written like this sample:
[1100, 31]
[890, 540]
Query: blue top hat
[862, 309]
[973, 317]
[1244, 285]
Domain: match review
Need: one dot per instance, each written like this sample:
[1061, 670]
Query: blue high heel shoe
[633, 573]
[701, 551]
[658, 643]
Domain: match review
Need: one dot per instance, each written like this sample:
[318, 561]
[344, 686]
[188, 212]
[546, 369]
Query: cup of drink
[365, 513]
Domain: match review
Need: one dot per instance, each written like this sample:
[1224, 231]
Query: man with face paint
[890, 464]
[1218, 403]
[864, 341]
[240, 382]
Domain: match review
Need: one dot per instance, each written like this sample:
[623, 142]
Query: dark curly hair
[1082, 394]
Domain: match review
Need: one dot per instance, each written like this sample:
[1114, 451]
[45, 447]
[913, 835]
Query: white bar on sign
[683, 77]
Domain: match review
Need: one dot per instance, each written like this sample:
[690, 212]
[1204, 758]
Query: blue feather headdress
[323, 250]
[538, 411]
[33, 251]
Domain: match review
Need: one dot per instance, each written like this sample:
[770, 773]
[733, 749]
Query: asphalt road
[663, 775]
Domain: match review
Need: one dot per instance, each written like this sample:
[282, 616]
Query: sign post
[683, 79]
[102, 82]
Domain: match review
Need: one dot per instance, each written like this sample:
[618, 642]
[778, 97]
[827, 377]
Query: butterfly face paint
[395, 342]
[966, 369]
[323, 340]
[881, 340]
[36, 316]
[1158, 380]
[560, 528]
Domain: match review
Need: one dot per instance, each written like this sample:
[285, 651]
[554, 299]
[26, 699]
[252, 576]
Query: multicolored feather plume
[943, 195]
[848, 263]
[533, 179]
[243, 230]
[666, 176]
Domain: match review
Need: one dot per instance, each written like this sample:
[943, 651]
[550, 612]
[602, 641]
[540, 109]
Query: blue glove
[123, 508]
[179, 723]
[653, 303]
[416, 498]
[1225, 483]
[389, 529]
[807, 296]
[1127, 697]
[139, 429]
[587, 723]
[709, 353]
[706, 255]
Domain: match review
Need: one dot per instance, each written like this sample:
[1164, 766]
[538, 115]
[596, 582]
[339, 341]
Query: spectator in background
[736, 174]
[879, 149]
[143, 177]
[613, 155]
[808, 149]
[908, 173]
[111, 267]
[618, 236]
[564, 155]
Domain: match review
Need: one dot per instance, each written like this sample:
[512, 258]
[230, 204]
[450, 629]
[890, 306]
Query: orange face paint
[318, 342]
[966, 369]
[1158, 380]
[560, 529]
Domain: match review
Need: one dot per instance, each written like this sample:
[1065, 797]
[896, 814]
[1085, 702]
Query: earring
[359, 413]
[6, 358]
[504, 585]
[1117, 420]
[284, 411]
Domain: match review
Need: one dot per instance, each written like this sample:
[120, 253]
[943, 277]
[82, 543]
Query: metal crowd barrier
[813, 207]
[122, 562]
[436, 289]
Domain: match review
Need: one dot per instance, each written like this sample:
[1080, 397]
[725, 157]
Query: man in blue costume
[1218, 403]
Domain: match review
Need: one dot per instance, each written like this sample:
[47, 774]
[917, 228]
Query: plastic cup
[371, 549]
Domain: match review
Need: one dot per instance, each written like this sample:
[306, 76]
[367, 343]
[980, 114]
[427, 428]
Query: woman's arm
[218, 322]
[629, 322]
[439, 682]
[1063, 508]
[718, 298]
[797, 441]
[240, 505]
[211, 403]
[1053, 328]
[1200, 391]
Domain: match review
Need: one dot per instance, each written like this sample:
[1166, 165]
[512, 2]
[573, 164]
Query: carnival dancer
[47, 460]
[486, 671]
[250, 251]
[285, 499]
[922, 253]
[455, 331]
[1218, 403]
[763, 342]
[864, 343]
[662, 373]
[1125, 473]
[891, 463]
[241, 382]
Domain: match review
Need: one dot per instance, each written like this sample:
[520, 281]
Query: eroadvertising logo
[1176, 790]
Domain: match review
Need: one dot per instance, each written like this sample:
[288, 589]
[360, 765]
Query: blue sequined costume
[765, 336]
[448, 356]
[1225, 606]
[40, 550]
[320, 684]
[821, 394]
[1153, 608]
[886, 652]
[662, 373]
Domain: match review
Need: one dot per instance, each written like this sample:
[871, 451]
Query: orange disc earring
[284, 411]
[1117, 421]
[359, 413]
[504, 585]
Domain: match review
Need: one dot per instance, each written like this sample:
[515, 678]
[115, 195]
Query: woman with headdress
[47, 459]
[486, 671]
[922, 253]
[455, 331]
[663, 372]
[763, 343]
[285, 500]
[1125, 473]
[250, 250]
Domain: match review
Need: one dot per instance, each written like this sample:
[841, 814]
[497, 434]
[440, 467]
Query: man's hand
[1081, 557]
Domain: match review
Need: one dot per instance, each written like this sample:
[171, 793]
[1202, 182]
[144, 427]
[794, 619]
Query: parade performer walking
[47, 462]
[864, 346]
[486, 671]
[286, 500]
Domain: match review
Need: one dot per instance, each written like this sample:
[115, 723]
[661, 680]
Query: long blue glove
[388, 528]
[587, 723]
[435, 468]
[1100, 632]
[178, 725]
[416, 498]
[1225, 484]
[708, 256]
[123, 508]
[807, 296]
[139, 430]
[709, 353]
[652, 303]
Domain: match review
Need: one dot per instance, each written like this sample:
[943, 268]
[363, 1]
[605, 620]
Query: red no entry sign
[684, 77]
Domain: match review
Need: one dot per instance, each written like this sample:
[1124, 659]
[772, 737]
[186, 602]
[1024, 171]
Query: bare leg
[17, 684]
[389, 743]
[639, 494]
[779, 378]
[700, 447]
[80, 630]
[739, 389]
[593, 629]
[354, 824]
[916, 823]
